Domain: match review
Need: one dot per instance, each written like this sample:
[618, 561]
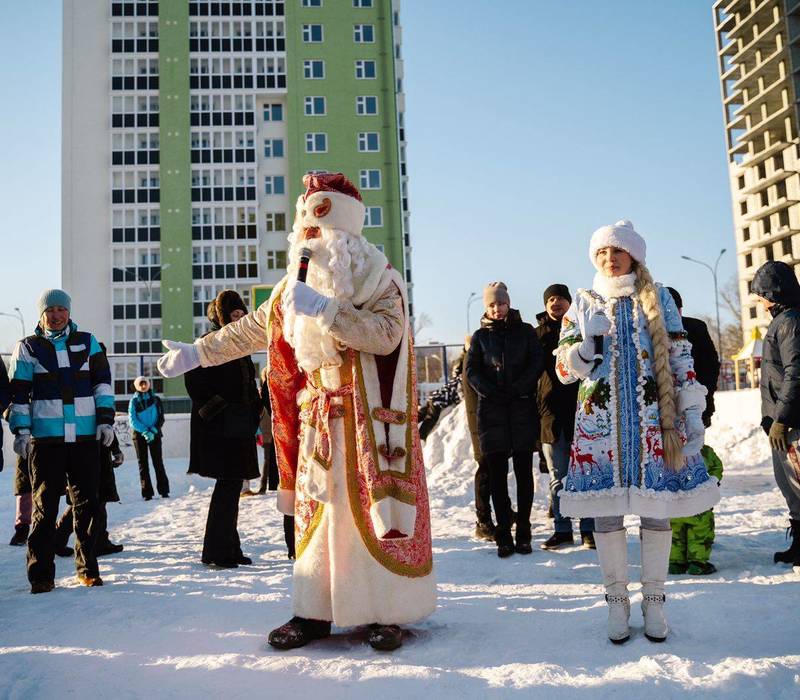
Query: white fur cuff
[576, 364]
[325, 321]
[286, 501]
[692, 396]
[390, 514]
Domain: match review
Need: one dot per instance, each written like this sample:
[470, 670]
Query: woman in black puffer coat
[503, 367]
[226, 409]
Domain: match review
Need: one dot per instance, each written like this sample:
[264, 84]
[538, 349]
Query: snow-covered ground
[165, 626]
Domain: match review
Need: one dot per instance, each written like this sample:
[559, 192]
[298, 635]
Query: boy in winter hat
[146, 418]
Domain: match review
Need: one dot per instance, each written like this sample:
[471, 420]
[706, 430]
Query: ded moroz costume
[343, 388]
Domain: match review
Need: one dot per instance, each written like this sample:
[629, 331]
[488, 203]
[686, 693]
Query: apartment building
[187, 128]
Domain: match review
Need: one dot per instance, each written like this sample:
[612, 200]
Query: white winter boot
[612, 550]
[655, 561]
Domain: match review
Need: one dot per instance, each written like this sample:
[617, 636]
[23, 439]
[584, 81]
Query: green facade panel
[175, 178]
[341, 123]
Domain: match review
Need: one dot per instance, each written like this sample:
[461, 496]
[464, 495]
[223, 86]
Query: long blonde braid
[651, 305]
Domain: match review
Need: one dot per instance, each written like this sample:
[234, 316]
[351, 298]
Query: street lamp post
[472, 297]
[18, 316]
[713, 271]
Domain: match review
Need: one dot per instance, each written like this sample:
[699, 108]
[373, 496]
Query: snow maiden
[638, 427]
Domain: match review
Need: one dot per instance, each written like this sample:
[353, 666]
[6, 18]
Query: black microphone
[598, 350]
[302, 271]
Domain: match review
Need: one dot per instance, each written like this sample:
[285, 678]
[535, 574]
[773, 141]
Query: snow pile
[166, 626]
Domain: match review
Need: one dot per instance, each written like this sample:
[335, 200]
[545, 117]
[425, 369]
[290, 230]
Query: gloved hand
[596, 325]
[305, 300]
[149, 436]
[181, 358]
[778, 438]
[22, 445]
[118, 459]
[105, 434]
[695, 431]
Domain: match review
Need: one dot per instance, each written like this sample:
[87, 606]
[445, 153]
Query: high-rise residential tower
[758, 45]
[187, 128]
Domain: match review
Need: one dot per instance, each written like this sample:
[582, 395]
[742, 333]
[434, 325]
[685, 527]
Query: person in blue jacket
[147, 418]
[62, 406]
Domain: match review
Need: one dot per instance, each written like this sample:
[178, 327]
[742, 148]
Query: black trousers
[221, 542]
[55, 466]
[498, 475]
[483, 506]
[162, 482]
[66, 526]
[269, 470]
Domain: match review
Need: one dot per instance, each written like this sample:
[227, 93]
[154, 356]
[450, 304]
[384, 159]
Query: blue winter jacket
[5, 399]
[60, 386]
[145, 412]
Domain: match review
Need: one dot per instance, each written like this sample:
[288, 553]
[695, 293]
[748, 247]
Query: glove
[181, 358]
[596, 324]
[118, 459]
[778, 439]
[22, 445]
[105, 435]
[305, 300]
[695, 431]
[148, 436]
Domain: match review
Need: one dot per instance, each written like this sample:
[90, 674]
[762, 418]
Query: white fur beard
[330, 273]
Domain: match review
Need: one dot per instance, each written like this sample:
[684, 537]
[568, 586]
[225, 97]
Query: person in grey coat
[778, 291]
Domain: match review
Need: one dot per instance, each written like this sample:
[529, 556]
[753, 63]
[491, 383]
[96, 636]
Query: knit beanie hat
[619, 235]
[331, 201]
[496, 291]
[557, 290]
[53, 297]
[227, 301]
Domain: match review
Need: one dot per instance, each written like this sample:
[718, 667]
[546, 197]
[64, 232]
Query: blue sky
[530, 123]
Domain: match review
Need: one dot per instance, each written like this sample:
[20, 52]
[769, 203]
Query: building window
[741, 182]
[748, 260]
[767, 224]
[743, 208]
[786, 246]
[370, 179]
[781, 189]
[373, 217]
[273, 148]
[366, 105]
[275, 221]
[274, 184]
[312, 3]
[746, 233]
[762, 171]
[314, 69]
[273, 113]
[312, 33]
[770, 253]
[753, 312]
[316, 143]
[276, 259]
[366, 70]
[777, 162]
[363, 34]
[315, 106]
[369, 142]
[362, 3]
[783, 218]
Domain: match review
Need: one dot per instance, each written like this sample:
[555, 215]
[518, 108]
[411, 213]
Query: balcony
[751, 77]
[771, 208]
[770, 96]
[777, 176]
[760, 128]
[762, 12]
[763, 39]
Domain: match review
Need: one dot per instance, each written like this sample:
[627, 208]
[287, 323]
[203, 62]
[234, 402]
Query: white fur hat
[620, 235]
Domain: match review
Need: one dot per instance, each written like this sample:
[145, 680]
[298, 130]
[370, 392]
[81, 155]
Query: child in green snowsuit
[692, 537]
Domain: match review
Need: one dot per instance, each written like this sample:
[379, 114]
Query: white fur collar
[614, 287]
[366, 283]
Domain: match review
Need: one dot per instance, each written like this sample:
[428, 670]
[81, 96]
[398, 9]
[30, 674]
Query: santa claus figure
[343, 388]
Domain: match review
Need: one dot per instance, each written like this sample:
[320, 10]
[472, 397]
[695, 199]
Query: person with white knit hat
[343, 391]
[638, 428]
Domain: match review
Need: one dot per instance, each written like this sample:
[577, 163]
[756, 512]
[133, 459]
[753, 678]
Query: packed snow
[166, 626]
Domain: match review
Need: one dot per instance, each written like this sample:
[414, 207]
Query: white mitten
[181, 358]
[596, 325]
[695, 431]
[305, 300]
[22, 445]
[105, 434]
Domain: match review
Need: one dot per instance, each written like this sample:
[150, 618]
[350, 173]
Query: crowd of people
[613, 388]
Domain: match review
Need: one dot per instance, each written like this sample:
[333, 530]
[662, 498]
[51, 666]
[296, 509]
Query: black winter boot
[298, 632]
[791, 555]
[20, 535]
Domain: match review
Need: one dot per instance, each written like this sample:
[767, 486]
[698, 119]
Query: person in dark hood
[226, 409]
[503, 366]
[557, 405]
[704, 354]
[778, 292]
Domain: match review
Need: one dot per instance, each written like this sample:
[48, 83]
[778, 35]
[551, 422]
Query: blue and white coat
[617, 458]
[60, 386]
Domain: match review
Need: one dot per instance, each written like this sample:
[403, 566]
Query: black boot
[558, 539]
[385, 637]
[20, 535]
[791, 555]
[298, 632]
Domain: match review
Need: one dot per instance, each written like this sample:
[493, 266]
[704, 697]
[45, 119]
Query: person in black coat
[704, 355]
[779, 293]
[557, 403]
[225, 413]
[503, 366]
